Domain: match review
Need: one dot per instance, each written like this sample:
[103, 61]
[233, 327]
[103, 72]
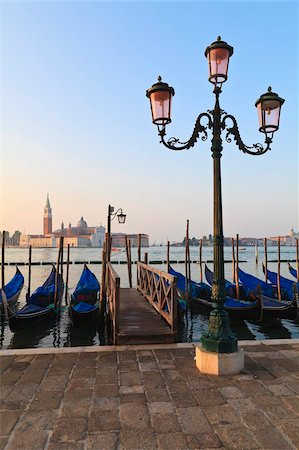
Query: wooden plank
[139, 323]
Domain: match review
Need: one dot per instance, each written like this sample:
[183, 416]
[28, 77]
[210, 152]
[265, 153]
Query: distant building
[119, 240]
[289, 239]
[79, 236]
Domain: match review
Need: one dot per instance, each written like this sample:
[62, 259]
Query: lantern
[218, 54]
[268, 107]
[160, 95]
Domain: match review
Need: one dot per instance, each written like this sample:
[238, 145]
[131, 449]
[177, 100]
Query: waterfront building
[119, 240]
[79, 236]
[289, 239]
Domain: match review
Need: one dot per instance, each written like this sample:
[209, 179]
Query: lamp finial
[159, 78]
[269, 89]
[219, 38]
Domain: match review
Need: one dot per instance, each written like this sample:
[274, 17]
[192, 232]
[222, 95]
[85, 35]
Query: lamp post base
[212, 363]
[219, 338]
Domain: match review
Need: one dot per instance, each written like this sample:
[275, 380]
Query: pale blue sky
[75, 121]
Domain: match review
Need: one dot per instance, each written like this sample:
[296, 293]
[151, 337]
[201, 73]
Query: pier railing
[113, 296]
[159, 288]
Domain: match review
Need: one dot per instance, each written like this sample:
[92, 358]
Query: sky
[75, 121]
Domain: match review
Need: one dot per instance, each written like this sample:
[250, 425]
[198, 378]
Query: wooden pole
[237, 267]
[278, 272]
[146, 258]
[266, 260]
[167, 256]
[128, 245]
[103, 283]
[139, 248]
[57, 275]
[186, 262]
[29, 272]
[233, 261]
[67, 273]
[3, 260]
[61, 257]
[200, 259]
[297, 259]
[256, 254]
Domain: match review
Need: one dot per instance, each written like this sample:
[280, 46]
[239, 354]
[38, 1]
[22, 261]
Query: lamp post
[111, 215]
[219, 337]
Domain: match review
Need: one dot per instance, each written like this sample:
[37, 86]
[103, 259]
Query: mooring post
[67, 273]
[3, 259]
[29, 271]
[278, 271]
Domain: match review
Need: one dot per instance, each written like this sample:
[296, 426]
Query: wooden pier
[144, 315]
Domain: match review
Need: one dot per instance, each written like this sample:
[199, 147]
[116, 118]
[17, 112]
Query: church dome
[82, 223]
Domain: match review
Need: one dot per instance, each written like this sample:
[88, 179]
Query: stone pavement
[148, 398]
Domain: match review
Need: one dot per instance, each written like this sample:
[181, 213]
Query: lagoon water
[193, 324]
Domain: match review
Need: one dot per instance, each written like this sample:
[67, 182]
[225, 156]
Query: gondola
[287, 286]
[39, 308]
[200, 295]
[231, 289]
[12, 291]
[292, 271]
[272, 308]
[84, 307]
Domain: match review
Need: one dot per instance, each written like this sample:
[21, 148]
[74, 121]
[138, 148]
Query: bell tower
[47, 218]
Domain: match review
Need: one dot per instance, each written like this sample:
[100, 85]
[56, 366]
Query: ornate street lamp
[121, 217]
[219, 337]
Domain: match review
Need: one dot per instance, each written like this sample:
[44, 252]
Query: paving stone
[127, 366]
[292, 402]
[255, 420]
[4, 362]
[162, 354]
[105, 403]
[131, 389]
[231, 392]
[61, 445]
[38, 420]
[165, 423]
[183, 399]
[53, 383]
[157, 395]
[270, 438]
[148, 366]
[8, 419]
[193, 420]
[252, 388]
[27, 440]
[244, 406]
[204, 440]
[76, 383]
[20, 396]
[3, 441]
[69, 429]
[87, 360]
[106, 375]
[221, 414]
[10, 376]
[76, 408]
[153, 380]
[106, 390]
[81, 372]
[171, 441]
[130, 440]
[146, 359]
[129, 355]
[287, 364]
[105, 421]
[134, 416]
[42, 361]
[177, 386]
[130, 378]
[5, 390]
[108, 358]
[144, 353]
[290, 429]
[46, 401]
[102, 441]
[236, 438]
[160, 407]
[166, 364]
[65, 360]
[79, 394]
[33, 375]
[279, 389]
[209, 397]
[133, 398]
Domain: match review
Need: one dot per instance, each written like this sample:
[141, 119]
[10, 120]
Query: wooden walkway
[139, 322]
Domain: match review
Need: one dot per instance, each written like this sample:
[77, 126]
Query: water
[193, 324]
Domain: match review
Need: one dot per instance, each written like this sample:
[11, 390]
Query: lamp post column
[219, 337]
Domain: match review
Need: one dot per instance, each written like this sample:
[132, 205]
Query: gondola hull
[84, 318]
[19, 322]
[12, 291]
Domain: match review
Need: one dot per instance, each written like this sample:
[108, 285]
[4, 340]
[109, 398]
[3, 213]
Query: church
[79, 236]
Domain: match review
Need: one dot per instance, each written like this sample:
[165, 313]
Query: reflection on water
[192, 324]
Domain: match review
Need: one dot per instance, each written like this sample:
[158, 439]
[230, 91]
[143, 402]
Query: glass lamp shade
[160, 95]
[268, 107]
[121, 217]
[218, 54]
